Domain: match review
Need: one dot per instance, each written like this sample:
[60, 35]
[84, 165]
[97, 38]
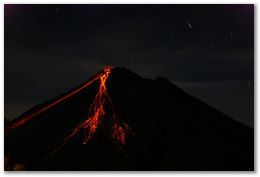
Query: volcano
[118, 120]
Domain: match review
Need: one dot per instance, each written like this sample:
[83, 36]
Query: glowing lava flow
[96, 115]
[96, 112]
[30, 116]
[119, 132]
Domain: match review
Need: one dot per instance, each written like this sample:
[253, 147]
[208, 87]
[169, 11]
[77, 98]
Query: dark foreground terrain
[145, 125]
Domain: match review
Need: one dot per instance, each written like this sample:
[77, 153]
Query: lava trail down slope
[118, 120]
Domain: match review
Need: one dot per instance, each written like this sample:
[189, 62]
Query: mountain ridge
[159, 118]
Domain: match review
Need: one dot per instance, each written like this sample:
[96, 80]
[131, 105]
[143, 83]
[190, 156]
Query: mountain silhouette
[118, 120]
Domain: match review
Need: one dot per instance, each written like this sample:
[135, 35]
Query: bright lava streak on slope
[96, 115]
[25, 119]
[90, 125]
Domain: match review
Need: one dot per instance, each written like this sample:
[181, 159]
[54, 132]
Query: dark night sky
[208, 50]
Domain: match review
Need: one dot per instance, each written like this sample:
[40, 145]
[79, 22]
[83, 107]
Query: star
[189, 25]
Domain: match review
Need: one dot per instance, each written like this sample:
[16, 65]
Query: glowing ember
[119, 132]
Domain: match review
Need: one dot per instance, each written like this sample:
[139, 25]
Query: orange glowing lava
[59, 100]
[97, 113]
[119, 132]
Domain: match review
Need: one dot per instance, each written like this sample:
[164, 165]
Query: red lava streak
[97, 113]
[30, 116]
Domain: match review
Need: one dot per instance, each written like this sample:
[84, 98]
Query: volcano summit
[120, 121]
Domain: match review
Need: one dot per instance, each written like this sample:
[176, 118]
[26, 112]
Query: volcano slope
[120, 121]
